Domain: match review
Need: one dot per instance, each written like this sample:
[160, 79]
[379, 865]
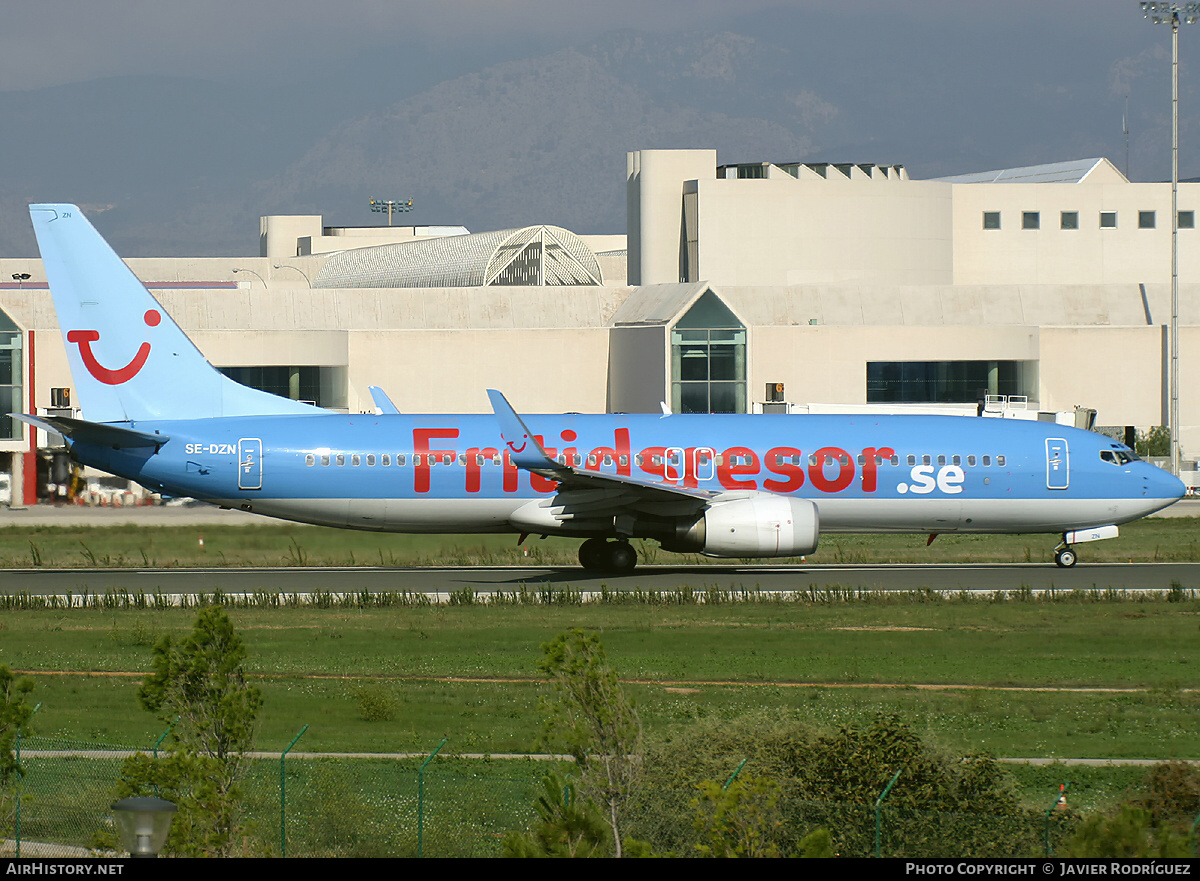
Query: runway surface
[443, 580]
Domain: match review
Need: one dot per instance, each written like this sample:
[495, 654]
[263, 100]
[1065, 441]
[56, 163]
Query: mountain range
[171, 166]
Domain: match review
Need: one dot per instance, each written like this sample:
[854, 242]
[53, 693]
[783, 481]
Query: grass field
[1071, 675]
[1071, 678]
[271, 544]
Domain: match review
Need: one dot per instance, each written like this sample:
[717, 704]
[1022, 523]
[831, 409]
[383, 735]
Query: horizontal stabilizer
[96, 433]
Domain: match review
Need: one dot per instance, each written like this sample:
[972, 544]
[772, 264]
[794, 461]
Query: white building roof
[1070, 172]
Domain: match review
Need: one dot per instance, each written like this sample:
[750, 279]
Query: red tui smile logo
[109, 376]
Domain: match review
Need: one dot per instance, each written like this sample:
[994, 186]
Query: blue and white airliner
[738, 486]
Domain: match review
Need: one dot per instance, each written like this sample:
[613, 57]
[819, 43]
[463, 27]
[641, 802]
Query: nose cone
[1162, 487]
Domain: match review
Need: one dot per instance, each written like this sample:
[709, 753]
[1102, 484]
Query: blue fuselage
[453, 473]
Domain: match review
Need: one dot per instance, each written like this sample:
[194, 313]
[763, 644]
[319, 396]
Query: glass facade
[317, 385]
[947, 382]
[11, 397]
[708, 360]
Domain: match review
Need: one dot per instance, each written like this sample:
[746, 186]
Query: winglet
[382, 401]
[523, 447]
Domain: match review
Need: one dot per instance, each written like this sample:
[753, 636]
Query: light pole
[298, 269]
[399, 206]
[1173, 14]
[255, 274]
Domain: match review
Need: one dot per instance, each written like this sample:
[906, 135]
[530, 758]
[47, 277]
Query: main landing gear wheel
[1065, 558]
[607, 556]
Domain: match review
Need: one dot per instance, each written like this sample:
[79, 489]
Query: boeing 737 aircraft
[723, 485]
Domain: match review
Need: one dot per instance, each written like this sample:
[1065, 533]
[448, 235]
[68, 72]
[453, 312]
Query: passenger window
[1000, 461]
[399, 459]
[925, 460]
[387, 460]
[971, 461]
[941, 460]
[956, 460]
[987, 461]
[325, 460]
[912, 460]
[370, 458]
[310, 459]
[355, 460]
[341, 460]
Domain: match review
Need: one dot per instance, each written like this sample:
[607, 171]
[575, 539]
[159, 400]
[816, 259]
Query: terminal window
[947, 382]
[991, 220]
[1108, 220]
[1031, 220]
[323, 386]
[1070, 220]
[708, 360]
[1145, 220]
[10, 378]
[1187, 219]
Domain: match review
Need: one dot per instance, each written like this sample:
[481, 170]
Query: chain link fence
[311, 806]
[327, 807]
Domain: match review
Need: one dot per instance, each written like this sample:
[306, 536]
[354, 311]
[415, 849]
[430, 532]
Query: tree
[594, 720]
[1130, 832]
[198, 687]
[740, 820]
[569, 827]
[942, 804]
[200, 682]
[1155, 442]
[15, 713]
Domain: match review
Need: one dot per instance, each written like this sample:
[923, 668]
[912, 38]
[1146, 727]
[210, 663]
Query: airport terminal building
[760, 287]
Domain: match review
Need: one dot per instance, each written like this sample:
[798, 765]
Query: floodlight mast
[1173, 14]
[399, 206]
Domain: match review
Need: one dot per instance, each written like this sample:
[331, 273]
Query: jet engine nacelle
[758, 525]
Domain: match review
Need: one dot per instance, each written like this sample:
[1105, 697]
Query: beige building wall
[1126, 254]
[654, 185]
[812, 230]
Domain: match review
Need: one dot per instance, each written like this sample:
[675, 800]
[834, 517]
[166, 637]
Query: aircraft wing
[98, 433]
[591, 492]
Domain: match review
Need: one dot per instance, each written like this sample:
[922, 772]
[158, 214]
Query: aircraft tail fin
[129, 359]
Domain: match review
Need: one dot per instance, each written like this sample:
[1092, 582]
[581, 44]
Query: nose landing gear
[617, 557]
[1064, 555]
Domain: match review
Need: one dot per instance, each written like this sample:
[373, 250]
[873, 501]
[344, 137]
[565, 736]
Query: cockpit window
[1118, 456]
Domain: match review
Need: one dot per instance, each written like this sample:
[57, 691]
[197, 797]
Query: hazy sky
[943, 87]
[50, 42]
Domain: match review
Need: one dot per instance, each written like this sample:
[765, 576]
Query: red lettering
[422, 453]
[511, 473]
[776, 463]
[569, 452]
[655, 469]
[695, 461]
[728, 470]
[474, 465]
[845, 476]
[871, 457]
[543, 484]
[618, 453]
